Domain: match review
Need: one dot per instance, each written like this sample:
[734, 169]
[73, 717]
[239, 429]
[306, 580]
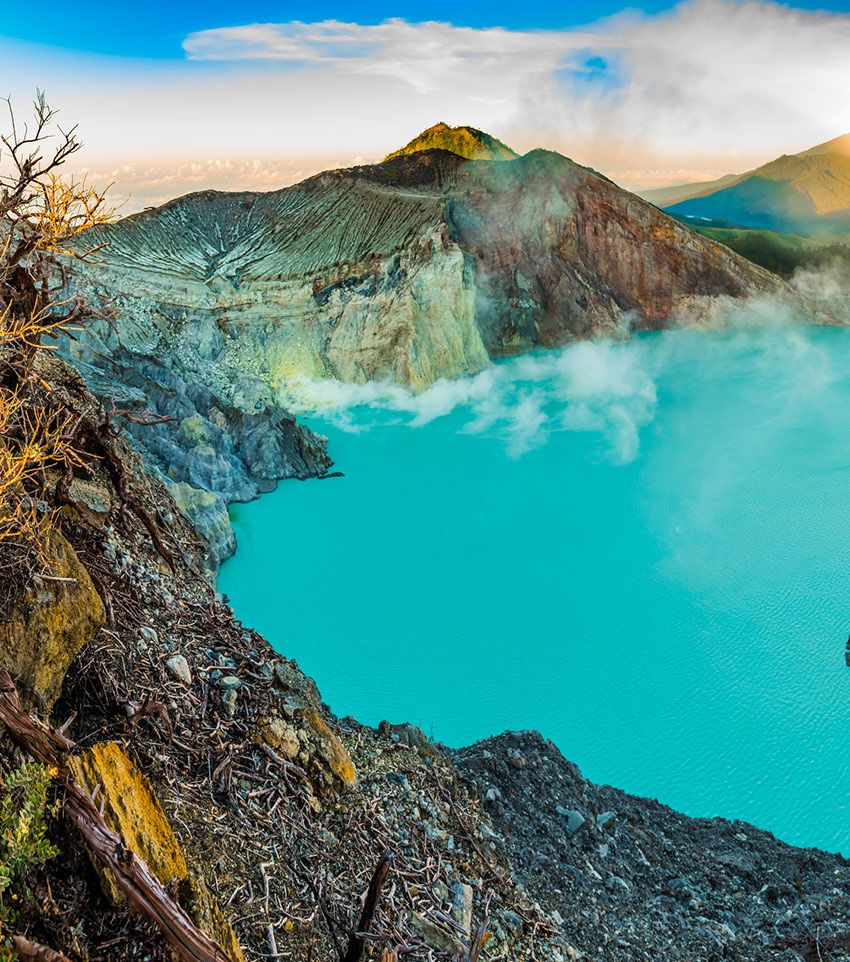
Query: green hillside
[464, 141]
[807, 193]
[782, 253]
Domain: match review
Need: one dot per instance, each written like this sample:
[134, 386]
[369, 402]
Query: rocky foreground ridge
[265, 815]
[217, 307]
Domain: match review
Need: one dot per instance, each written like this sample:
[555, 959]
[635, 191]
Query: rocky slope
[216, 308]
[265, 814]
[215, 758]
[632, 879]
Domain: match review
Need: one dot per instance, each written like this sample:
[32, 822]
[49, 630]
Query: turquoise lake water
[642, 550]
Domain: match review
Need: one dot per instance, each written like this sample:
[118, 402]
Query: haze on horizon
[653, 97]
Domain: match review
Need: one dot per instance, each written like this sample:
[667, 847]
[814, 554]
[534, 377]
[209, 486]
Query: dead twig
[34, 952]
[373, 896]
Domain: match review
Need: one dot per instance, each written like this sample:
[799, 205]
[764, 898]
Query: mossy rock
[53, 621]
[196, 898]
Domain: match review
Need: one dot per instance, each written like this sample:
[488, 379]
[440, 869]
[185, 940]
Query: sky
[180, 96]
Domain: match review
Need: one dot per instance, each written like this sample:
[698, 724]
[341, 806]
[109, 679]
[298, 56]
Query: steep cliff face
[419, 268]
[561, 253]
[213, 441]
[216, 307]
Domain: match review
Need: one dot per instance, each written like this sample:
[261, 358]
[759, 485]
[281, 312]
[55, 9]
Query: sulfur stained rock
[132, 810]
[279, 735]
[311, 742]
[324, 755]
[50, 625]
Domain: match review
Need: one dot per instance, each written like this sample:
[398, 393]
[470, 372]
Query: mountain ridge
[426, 266]
[807, 192]
[838, 145]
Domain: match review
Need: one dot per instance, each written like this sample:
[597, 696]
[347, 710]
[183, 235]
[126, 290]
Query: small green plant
[23, 840]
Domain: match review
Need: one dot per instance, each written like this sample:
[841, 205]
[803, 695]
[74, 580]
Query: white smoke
[606, 388]
[593, 386]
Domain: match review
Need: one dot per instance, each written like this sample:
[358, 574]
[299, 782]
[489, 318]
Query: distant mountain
[807, 192]
[665, 196]
[464, 141]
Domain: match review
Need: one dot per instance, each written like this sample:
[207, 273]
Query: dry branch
[33, 952]
[477, 943]
[358, 939]
[42, 217]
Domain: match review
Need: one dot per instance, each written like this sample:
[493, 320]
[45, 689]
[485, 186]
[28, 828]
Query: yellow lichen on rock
[50, 625]
[131, 810]
[327, 755]
[202, 905]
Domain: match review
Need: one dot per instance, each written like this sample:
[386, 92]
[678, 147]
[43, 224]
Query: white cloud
[721, 83]
[427, 56]
[734, 82]
[143, 185]
[707, 87]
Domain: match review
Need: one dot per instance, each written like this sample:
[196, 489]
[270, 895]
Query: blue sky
[176, 96]
[156, 28]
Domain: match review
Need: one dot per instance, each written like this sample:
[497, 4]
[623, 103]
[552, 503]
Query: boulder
[91, 498]
[300, 690]
[574, 819]
[178, 668]
[279, 735]
[42, 633]
[462, 898]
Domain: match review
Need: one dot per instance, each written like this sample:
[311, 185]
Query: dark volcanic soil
[633, 880]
